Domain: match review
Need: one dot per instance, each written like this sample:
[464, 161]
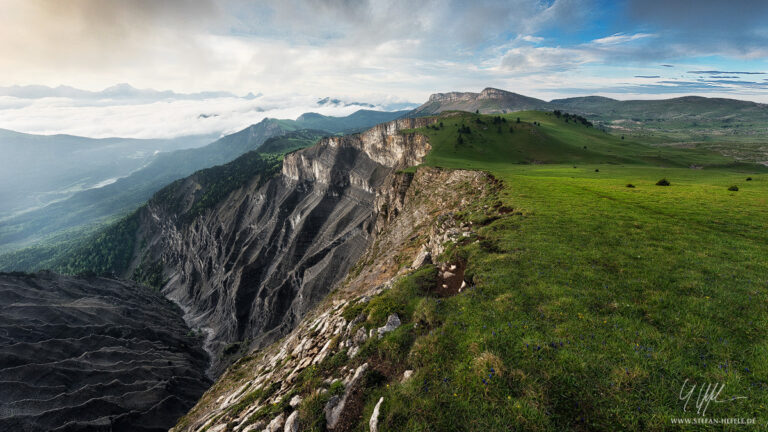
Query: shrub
[374, 379]
[663, 182]
[733, 188]
[426, 313]
[337, 388]
[352, 311]
[311, 411]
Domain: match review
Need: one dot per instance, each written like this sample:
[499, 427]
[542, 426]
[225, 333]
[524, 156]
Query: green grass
[594, 302]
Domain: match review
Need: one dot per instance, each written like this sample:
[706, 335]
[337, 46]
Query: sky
[204, 57]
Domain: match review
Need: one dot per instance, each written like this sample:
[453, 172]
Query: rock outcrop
[93, 354]
[488, 101]
[247, 270]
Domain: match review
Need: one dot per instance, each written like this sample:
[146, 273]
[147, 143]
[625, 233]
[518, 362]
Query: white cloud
[162, 119]
[532, 39]
[537, 59]
[620, 38]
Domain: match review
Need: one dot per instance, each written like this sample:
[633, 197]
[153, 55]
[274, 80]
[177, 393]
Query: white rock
[295, 401]
[353, 352]
[258, 426]
[393, 322]
[276, 425]
[373, 424]
[407, 375]
[422, 258]
[359, 337]
[335, 406]
[292, 423]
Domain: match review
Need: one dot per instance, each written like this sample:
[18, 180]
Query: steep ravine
[247, 270]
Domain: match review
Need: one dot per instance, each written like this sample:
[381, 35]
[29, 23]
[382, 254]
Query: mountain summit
[488, 101]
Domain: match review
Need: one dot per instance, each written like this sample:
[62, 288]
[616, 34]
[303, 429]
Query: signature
[706, 394]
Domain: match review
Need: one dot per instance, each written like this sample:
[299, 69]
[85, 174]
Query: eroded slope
[313, 378]
[93, 354]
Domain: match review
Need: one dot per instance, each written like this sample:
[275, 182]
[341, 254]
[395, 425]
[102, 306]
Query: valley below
[93, 354]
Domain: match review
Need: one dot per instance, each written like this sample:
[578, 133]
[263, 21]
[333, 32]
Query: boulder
[393, 322]
[295, 401]
[276, 425]
[360, 337]
[422, 258]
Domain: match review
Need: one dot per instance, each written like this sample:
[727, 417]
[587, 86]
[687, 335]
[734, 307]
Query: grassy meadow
[592, 302]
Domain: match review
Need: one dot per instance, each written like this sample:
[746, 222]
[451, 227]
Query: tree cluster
[575, 117]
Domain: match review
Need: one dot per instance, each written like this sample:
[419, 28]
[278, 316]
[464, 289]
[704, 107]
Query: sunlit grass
[596, 301]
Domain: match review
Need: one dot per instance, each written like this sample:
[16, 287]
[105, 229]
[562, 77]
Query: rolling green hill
[732, 127]
[690, 118]
[541, 137]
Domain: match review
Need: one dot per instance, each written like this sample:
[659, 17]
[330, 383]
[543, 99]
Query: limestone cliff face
[250, 268]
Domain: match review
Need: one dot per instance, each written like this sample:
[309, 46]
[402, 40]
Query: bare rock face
[93, 354]
[249, 269]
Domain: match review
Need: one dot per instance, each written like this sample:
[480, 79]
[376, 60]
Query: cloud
[621, 38]
[241, 45]
[647, 76]
[716, 72]
[118, 92]
[536, 59]
[736, 28]
[166, 118]
[367, 50]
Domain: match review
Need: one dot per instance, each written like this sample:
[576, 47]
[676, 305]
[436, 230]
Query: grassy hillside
[472, 140]
[593, 301]
[355, 122]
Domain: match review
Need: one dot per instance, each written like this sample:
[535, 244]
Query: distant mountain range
[91, 207]
[36, 170]
[684, 118]
[672, 120]
[118, 91]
